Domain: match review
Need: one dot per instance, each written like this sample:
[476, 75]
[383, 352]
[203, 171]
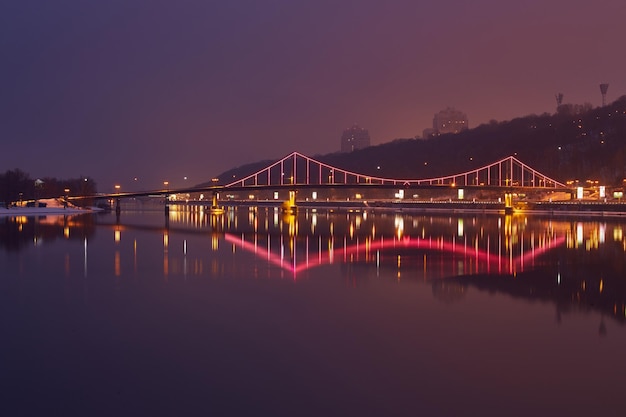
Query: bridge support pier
[508, 203]
[118, 209]
[290, 206]
[215, 207]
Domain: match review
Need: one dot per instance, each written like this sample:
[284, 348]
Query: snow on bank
[53, 206]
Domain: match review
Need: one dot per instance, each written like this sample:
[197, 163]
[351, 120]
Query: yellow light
[118, 264]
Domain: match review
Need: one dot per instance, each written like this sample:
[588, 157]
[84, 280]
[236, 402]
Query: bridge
[296, 172]
[297, 169]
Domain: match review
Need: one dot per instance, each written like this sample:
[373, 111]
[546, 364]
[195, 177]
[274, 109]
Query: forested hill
[578, 143]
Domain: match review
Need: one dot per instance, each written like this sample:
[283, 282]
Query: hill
[577, 143]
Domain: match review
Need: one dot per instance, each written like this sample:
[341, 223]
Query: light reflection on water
[457, 301]
[416, 247]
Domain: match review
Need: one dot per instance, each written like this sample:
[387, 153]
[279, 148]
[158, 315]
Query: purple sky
[160, 90]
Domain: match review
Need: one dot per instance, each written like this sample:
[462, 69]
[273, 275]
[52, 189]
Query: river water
[321, 314]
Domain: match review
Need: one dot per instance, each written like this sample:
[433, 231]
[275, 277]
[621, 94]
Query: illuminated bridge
[299, 170]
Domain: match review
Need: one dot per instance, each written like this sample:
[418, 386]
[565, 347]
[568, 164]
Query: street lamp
[117, 191]
[67, 191]
[118, 208]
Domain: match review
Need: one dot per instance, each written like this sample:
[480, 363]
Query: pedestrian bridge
[298, 170]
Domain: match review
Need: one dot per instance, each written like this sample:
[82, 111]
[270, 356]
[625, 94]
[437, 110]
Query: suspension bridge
[297, 169]
[297, 172]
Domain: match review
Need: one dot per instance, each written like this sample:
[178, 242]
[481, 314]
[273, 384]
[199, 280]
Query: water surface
[350, 313]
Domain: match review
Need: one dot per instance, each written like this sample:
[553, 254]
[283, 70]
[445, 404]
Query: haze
[162, 90]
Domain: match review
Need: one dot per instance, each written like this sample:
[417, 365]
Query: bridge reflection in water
[475, 253]
[457, 245]
[572, 263]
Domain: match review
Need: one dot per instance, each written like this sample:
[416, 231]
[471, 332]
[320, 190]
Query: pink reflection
[439, 245]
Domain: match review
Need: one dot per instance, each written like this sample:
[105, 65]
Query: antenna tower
[559, 99]
[603, 90]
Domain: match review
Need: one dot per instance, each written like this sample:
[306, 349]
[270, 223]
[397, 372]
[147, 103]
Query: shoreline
[42, 211]
[555, 209]
[552, 209]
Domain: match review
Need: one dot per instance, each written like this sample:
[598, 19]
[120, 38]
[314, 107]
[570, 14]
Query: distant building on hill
[428, 133]
[448, 120]
[354, 138]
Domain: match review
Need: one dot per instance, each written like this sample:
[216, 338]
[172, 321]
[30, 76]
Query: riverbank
[43, 211]
[560, 209]
[575, 209]
[50, 207]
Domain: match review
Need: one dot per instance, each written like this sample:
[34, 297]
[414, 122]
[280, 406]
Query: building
[428, 133]
[354, 138]
[449, 120]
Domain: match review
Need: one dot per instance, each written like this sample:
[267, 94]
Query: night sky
[159, 90]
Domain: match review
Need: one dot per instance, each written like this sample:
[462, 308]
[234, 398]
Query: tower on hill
[603, 89]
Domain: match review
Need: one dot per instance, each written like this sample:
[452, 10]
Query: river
[324, 313]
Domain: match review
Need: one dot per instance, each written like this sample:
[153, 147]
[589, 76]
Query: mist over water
[322, 313]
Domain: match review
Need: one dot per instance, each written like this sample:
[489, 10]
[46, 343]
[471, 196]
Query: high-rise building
[354, 138]
[449, 120]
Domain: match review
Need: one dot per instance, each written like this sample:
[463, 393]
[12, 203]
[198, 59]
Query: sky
[138, 92]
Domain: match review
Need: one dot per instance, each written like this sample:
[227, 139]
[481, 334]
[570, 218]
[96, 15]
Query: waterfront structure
[490, 188]
[354, 138]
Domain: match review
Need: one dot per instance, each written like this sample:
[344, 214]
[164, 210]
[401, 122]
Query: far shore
[556, 209]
